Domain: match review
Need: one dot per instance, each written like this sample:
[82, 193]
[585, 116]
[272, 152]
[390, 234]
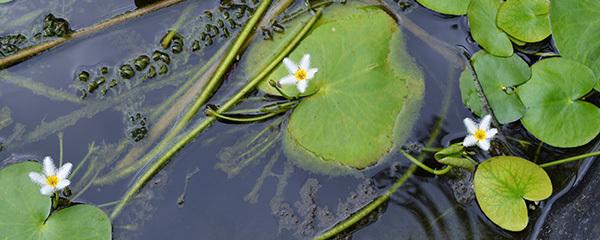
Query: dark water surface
[287, 202]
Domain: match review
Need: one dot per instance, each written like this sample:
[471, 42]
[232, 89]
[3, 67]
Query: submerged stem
[60, 146]
[209, 120]
[425, 167]
[570, 159]
[36, 49]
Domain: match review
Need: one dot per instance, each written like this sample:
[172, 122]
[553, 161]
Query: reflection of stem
[38, 88]
[441, 47]
[209, 120]
[570, 159]
[60, 147]
[425, 167]
[91, 149]
[36, 49]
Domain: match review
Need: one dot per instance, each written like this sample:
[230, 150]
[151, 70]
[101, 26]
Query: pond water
[212, 189]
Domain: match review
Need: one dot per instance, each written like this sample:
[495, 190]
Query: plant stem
[570, 159]
[36, 49]
[209, 120]
[425, 167]
[167, 39]
[211, 112]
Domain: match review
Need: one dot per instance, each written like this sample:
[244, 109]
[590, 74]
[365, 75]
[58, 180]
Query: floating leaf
[526, 20]
[501, 184]
[499, 76]
[452, 7]
[555, 112]
[24, 212]
[482, 18]
[5, 1]
[368, 91]
[576, 31]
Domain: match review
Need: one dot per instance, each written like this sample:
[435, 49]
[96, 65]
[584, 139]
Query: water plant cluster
[548, 92]
[350, 103]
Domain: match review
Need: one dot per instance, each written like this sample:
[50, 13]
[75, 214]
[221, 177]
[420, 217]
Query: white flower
[53, 179]
[299, 74]
[481, 134]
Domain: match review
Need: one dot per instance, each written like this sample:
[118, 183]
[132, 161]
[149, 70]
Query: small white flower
[479, 134]
[299, 74]
[53, 179]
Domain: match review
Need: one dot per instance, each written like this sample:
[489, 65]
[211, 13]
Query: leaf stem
[91, 149]
[215, 113]
[167, 39]
[60, 147]
[36, 49]
[570, 159]
[425, 167]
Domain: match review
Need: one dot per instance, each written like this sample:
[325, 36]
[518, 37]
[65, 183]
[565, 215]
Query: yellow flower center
[52, 181]
[480, 135]
[300, 75]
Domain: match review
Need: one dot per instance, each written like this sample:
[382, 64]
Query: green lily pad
[452, 7]
[526, 20]
[499, 76]
[576, 31]
[367, 92]
[468, 92]
[501, 184]
[554, 111]
[24, 210]
[5, 1]
[482, 18]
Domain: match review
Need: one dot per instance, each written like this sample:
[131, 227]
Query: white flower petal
[49, 168]
[47, 190]
[470, 140]
[311, 73]
[63, 183]
[37, 178]
[470, 125]
[491, 133]
[484, 144]
[485, 122]
[64, 171]
[291, 66]
[305, 62]
[289, 79]
[302, 86]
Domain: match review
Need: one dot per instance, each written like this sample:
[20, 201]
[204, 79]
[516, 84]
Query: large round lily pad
[554, 111]
[452, 7]
[499, 77]
[23, 211]
[501, 184]
[482, 18]
[576, 30]
[526, 20]
[366, 94]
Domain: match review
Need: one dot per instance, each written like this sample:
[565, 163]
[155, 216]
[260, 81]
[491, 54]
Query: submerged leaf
[576, 31]
[23, 211]
[366, 94]
[555, 112]
[482, 18]
[501, 184]
[499, 76]
[526, 20]
[452, 7]
[5, 118]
